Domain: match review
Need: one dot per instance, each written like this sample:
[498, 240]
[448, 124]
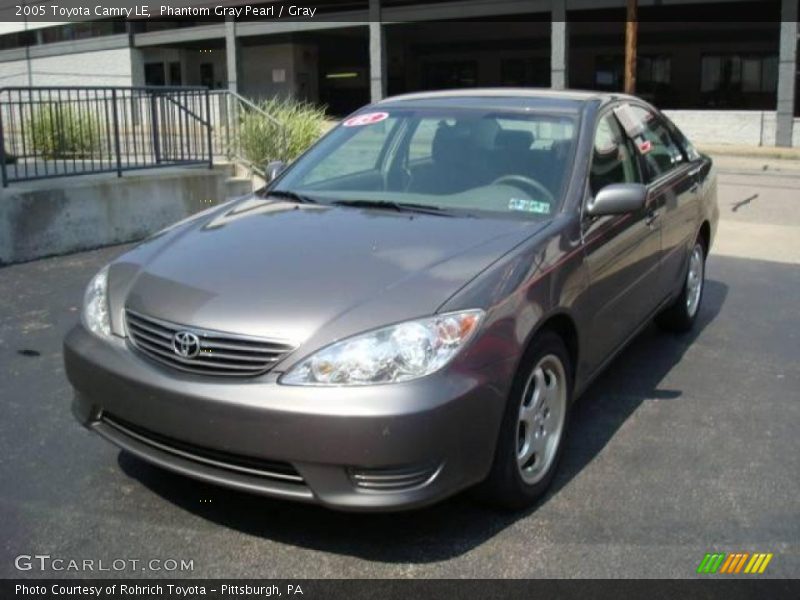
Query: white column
[377, 53]
[559, 45]
[232, 55]
[787, 74]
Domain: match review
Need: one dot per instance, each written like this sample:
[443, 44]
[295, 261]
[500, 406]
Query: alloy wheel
[694, 281]
[541, 419]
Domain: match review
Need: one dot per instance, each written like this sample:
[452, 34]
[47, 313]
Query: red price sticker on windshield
[366, 119]
[645, 146]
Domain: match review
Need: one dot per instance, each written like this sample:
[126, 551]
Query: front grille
[221, 354]
[247, 465]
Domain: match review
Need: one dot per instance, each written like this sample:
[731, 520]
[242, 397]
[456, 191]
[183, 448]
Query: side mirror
[274, 169]
[617, 199]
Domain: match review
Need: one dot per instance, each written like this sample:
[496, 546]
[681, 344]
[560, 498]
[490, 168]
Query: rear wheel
[681, 315]
[534, 427]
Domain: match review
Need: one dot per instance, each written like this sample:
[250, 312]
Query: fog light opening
[394, 479]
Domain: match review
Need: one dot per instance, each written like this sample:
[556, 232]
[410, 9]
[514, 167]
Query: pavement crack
[737, 205]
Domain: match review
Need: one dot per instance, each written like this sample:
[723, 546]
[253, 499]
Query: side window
[688, 148]
[655, 143]
[612, 159]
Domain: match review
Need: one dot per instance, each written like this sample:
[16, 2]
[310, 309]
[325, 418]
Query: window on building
[654, 69]
[144, 26]
[81, 31]
[739, 73]
[61, 33]
[207, 75]
[154, 73]
[612, 159]
[450, 74]
[20, 39]
[175, 73]
[520, 72]
[651, 70]
[608, 72]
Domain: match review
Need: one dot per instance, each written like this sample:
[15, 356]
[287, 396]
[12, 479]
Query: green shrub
[261, 140]
[60, 131]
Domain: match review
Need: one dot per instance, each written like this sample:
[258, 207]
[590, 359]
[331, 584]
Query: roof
[544, 95]
[509, 92]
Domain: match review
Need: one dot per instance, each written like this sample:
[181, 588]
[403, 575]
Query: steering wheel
[526, 184]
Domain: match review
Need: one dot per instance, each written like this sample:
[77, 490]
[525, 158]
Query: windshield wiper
[397, 206]
[289, 195]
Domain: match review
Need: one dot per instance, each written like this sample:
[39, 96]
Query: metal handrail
[252, 105]
[60, 131]
[150, 88]
[228, 129]
[205, 121]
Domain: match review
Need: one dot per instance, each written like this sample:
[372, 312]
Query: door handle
[652, 217]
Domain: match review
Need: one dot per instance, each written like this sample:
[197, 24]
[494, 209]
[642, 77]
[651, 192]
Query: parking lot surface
[686, 445]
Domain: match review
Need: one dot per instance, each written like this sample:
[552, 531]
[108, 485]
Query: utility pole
[631, 31]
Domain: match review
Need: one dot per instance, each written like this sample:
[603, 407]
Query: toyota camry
[407, 310]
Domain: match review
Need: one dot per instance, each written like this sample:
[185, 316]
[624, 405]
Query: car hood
[284, 270]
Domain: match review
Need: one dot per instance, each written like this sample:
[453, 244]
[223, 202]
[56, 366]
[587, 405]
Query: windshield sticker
[366, 119]
[532, 206]
[644, 146]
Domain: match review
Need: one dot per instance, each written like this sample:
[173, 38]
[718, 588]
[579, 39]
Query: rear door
[621, 251]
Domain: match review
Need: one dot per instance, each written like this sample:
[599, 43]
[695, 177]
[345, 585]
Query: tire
[681, 315]
[516, 479]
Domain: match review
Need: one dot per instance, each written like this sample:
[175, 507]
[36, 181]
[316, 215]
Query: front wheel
[681, 315]
[534, 427]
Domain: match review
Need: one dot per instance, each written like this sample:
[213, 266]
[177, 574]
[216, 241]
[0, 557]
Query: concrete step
[238, 186]
[241, 170]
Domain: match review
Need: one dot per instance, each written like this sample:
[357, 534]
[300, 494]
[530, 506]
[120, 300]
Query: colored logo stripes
[734, 563]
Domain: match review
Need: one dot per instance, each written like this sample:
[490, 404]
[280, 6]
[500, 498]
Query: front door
[622, 251]
[672, 177]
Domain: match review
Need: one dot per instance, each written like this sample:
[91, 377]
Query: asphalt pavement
[686, 445]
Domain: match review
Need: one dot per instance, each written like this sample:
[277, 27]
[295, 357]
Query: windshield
[468, 160]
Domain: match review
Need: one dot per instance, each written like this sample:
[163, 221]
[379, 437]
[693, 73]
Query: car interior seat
[512, 154]
[460, 158]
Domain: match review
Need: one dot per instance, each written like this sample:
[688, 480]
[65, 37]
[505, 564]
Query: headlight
[396, 353]
[95, 305]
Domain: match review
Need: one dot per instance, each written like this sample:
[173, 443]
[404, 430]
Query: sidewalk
[759, 215]
[784, 161]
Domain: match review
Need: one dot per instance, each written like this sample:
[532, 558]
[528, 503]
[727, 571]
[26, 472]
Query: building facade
[361, 50]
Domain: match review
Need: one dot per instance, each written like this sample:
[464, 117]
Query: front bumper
[361, 448]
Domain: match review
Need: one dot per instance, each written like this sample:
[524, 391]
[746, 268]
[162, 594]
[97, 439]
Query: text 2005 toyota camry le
[407, 310]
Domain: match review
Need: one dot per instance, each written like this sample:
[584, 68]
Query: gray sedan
[410, 308]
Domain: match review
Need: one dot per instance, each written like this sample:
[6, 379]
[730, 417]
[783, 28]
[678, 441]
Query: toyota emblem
[186, 344]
